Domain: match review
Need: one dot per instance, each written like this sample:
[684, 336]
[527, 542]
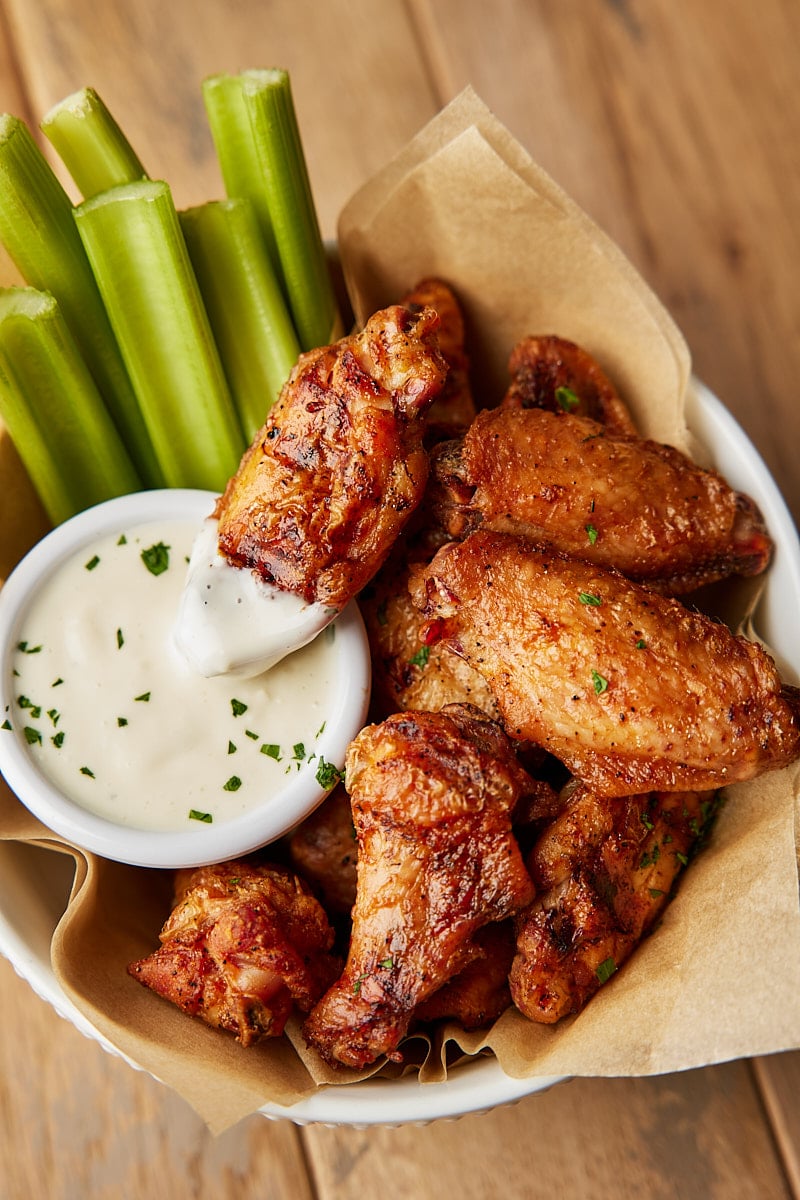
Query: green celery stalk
[249, 319]
[306, 278]
[39, 234]
[135, 246]
[53, 411]
[91, 144]
[240, 166]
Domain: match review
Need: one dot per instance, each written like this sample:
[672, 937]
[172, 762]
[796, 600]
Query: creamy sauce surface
[115, 716]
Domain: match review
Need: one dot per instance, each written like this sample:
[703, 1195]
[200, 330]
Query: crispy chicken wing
[339, 466]
[616, 500]
[454, 408]
[555, 374]
[323, 851]
[604, 872]
[628, 688]
[480, 993]
[432, 797]
[243, 944]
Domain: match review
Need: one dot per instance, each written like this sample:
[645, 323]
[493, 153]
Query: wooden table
[677, 126]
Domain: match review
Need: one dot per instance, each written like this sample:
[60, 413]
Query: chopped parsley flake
[387, 964]
[600, 682]
[88, 771]
[271, 750]
[122, 721]
[655, 892]
[6, 724]
[35, 709]
[92, 563]
[298, 751]
[26, 649]
[682, 859]
[606, 970]
[57, 682]
[328, 774]
[156, 558]
[120, 639]
[54, 715]
[122, 540]
[591, 533]
[238, 707]
[231, 747]
[253, 736]
[233, 784]
[32, 736]
[420, 659]
[590, 598]
[58, 739]
[145, 696]
[196, 815]
[358, 983]
[641, 644]
[648, 824]
[321, 729]
[566, 399]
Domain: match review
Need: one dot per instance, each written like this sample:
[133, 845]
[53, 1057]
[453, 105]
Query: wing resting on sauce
[243, 944]
[629, 689]
[338, 468]
[604, 871]
[432, 797]
[606, 497]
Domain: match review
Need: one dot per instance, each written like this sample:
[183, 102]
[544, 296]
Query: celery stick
[137, 252]
[38, 232]
[252, 327]
[306, 279]
[232, 134]
[91, 144]
[53, 411]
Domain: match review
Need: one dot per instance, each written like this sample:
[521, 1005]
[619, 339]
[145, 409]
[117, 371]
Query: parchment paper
[720, 979]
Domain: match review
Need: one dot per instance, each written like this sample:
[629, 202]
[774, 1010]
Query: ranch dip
[114, 715]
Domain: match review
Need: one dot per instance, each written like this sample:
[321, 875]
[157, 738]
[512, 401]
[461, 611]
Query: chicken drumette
[629, 689]
[604, 870]
[333, 476]
[454, 407]
[432, 797]
[243, 944]
[609, 498]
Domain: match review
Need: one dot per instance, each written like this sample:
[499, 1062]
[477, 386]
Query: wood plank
[779, 1080]
[147, 60]
[697, 1134]
[677, 126]
[77, 1121]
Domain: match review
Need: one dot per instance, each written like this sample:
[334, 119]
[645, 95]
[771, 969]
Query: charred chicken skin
[555, 374]
[243, 944]
[629, 689]
[454, 407]
[432, 797]
[339, 466]
[604, 870]
[611, 499]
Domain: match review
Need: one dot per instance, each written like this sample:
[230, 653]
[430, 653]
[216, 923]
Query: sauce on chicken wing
[629, 689]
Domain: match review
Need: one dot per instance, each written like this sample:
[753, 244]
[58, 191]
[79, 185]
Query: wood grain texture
[677, 126]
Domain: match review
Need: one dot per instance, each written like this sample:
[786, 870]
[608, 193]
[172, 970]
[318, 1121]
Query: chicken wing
[629, 689]
[604, 872]
[432, 797]
[243, 944]
[553, 373]
[323, 851]
[454, 407]
[339, 466]
[480, 993]
[611, 499]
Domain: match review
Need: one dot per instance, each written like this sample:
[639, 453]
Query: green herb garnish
[420, 659]
[606, 970]
[196, 815]
[122, 721]
[32, 736]
[156, 558]
[328, 774]
[26, 649]
[120, 639]
[145, 696]
[238, 707]
[298, 751]
[58, 739]
[566, 399]
[271, 750]
[591, 533]
[92, 563]
[600, 682]
[231, 747]
[590, 598]
[88, 771]
[233, 784]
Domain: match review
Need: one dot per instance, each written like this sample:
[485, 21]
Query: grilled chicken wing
[339, 466]
[604, 872]
[454, 408]
[611, 499]
[323, 851]
[243, 944]
[629, 689]
[480, 993]
[553, 373]
[432, 797]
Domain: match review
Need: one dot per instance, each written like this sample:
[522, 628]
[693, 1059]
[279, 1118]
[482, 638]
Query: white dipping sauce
[117, 719]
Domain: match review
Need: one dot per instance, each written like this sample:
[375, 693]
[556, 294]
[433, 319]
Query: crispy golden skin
[339, 466]
[553, 373]
[323, 851]
[628, 688]
[244, 943]
[480, 993]
[454, 407]
[604, 871]
[611, 499]
[432, 797]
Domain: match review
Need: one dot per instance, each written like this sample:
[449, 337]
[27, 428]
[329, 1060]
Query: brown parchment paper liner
[721, 978]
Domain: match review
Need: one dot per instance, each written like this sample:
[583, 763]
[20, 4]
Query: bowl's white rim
[482, 1084]
[200, 845]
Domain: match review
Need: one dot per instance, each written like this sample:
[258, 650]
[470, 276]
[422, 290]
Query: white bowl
[276, 813]
[36, 883]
